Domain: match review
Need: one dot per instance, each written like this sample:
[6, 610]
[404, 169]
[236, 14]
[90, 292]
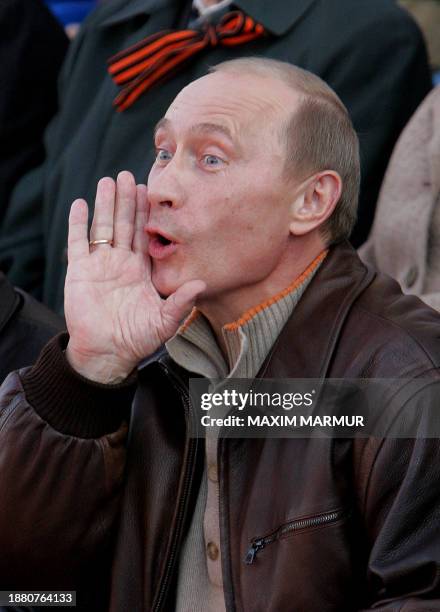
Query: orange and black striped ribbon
[139, 67]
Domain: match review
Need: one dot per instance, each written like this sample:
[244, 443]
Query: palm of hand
[113, 312]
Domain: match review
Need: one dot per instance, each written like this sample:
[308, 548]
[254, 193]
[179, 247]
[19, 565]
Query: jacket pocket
[294, 526]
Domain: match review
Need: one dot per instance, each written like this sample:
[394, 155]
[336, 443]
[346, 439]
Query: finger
[77, 241]
[140, 239]
[102, 224]
[179, 304]
[125, 210]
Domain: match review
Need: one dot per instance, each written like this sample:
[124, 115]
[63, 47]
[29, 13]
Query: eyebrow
[199, 128]
[162, 123]
[212, 128]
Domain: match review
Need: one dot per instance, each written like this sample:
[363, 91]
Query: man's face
[216, 189]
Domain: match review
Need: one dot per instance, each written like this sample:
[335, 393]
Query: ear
[315, 202]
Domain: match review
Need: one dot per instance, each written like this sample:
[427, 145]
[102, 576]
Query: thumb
[179, 304]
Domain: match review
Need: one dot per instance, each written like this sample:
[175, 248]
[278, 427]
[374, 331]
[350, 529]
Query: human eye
[162, 155]
[213, 161]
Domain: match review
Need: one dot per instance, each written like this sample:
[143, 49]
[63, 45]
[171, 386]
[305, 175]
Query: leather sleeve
[59, 484]
[402, 510]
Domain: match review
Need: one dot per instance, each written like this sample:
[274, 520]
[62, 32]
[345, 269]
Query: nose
[165, 189]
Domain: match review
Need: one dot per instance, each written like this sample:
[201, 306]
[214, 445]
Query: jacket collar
[307, 343]
[124, 10]
[9, 300]
[277, 16]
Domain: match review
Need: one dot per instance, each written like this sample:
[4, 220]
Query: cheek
[233, 215]
[246, 246]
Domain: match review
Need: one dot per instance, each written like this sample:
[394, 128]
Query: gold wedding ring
[103, 241]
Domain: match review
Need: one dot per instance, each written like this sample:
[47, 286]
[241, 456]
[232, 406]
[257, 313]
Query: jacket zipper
[189, 470]
[259, 543]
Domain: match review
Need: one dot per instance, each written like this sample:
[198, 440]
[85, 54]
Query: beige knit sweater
[248, 341]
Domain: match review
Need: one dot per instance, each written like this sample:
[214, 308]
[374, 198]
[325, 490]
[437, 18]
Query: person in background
[405, 238]
[32, 48]
[116, 84]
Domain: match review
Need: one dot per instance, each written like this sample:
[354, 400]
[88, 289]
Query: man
[245, 218]
[370, 52]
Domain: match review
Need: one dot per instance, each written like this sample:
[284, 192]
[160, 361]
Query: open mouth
[160, 245]
[162, 240]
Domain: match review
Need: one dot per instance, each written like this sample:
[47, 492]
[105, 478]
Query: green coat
[369, 51]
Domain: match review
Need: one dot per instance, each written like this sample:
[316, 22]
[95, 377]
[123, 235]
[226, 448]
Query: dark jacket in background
[25, 327]
[32, 48]
[370, 51]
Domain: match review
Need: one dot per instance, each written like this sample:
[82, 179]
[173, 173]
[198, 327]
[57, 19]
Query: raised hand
[114, 314]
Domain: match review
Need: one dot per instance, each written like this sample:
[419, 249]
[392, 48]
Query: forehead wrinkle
[228, 106]
[255, 101]
[204, 127]
[225, 109]
[208, 128]
[256, 106]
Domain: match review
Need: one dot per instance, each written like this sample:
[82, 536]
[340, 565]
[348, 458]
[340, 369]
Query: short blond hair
[318, 135]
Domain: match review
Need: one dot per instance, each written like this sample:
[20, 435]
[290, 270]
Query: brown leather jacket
[68, 510]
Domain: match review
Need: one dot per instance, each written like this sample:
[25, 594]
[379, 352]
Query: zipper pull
[255, 546]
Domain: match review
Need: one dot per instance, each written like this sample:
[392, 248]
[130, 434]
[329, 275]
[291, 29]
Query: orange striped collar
[251, 312]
